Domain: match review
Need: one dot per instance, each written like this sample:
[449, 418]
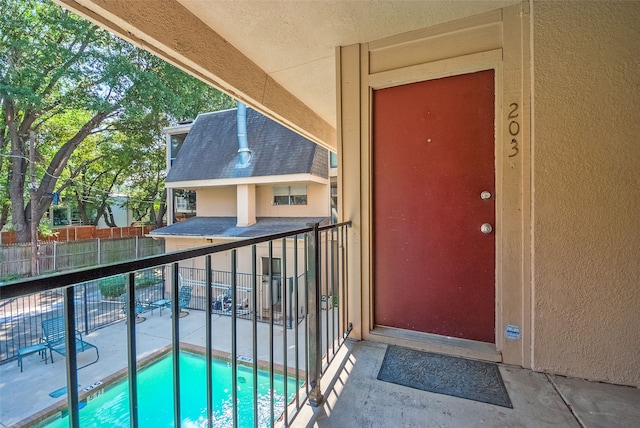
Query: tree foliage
[95, 105]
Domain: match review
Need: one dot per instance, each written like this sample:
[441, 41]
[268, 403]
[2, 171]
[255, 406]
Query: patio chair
[140, 308]
[184, 298]
[54, 337]
[223, 304]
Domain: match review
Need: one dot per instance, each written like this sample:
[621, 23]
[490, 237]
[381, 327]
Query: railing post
[175, 343]
[234, 339]
[86, 308]
[254, 331]
[296, 305]
[72, 361]
[131, 349]
[208, 341]
[315, 335]
[271, 341]
[283, 307]
[290, 291]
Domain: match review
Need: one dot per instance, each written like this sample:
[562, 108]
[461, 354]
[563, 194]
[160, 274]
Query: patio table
[40, 348]
[160, 304]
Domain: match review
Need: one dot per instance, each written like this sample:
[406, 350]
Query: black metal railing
[221, 294]
[98, 303]
[314, 263]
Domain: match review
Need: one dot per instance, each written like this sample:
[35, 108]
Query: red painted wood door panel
[433, 156]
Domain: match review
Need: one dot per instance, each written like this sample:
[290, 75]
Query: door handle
[486, 228]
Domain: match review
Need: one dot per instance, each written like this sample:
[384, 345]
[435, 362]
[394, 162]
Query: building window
[334, 200]
[290, 195]
[333, 160]
[185, 200]
[184, 204]
[176, 144]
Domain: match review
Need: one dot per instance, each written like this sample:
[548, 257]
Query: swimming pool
[155, 397]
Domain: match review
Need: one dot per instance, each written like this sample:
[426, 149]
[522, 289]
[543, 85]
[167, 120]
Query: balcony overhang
[277, 56]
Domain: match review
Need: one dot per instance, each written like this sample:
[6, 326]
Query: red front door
[433, 157]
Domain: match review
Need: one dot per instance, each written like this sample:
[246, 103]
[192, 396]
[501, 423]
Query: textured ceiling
[295, 41]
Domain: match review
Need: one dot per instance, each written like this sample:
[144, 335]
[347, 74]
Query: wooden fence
[15, 260]
[80, 233]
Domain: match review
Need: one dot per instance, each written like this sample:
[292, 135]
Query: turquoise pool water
[155, 397]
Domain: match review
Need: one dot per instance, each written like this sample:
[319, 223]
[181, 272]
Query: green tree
[70, 83]
[147, 196]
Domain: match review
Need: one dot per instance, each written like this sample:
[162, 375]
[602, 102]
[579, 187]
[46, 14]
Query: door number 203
[514, 128]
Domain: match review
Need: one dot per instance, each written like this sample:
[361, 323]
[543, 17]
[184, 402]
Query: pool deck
[354, 396]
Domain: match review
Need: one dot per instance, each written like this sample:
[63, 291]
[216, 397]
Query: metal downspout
[244, 154]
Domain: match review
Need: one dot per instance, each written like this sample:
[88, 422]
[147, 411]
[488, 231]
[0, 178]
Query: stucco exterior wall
[317, 202]
[216, 202]
[221, 202]
[586, 181]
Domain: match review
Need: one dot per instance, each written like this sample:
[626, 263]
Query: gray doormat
[443, 374]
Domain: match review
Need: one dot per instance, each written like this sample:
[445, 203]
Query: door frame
[496, 40]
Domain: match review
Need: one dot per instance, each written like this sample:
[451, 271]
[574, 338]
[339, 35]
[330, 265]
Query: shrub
[11, 277]
[114, 286]
[45, 231]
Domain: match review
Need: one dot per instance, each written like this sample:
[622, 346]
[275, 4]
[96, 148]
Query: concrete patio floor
[354, 396]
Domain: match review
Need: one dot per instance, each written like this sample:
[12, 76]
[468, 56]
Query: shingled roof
[210, 150]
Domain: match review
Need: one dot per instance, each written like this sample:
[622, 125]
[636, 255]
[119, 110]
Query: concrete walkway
[355, 398]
